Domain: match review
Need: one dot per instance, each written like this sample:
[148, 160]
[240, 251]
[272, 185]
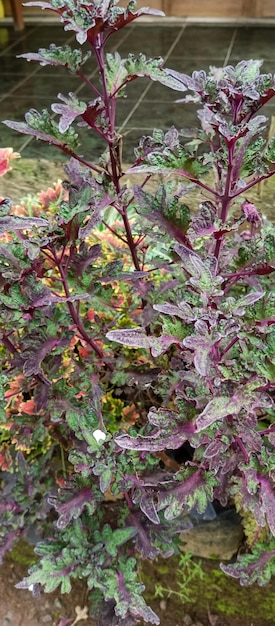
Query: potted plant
[133, 327]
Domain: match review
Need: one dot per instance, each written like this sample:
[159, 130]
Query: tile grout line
[5, 50]
[228, 54]
[149, 85]
[26, 78]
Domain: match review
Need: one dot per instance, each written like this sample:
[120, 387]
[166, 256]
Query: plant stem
[114, 232]
[242, 448]
[88, 82]
[75, 316]
[78, 158]
[110, 111]
[231, 343]
[197, 182]
[226, 199]
[252, 184]
[8, 344]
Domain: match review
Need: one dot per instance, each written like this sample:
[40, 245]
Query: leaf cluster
[134, 330]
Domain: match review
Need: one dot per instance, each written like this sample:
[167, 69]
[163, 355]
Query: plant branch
[114, 232]
[225, 199]
[230, 345]
[9, 345]
[252, 184]
[75, 316]
[88, 82]
[78, 158]
[242, 448]
[197, 182]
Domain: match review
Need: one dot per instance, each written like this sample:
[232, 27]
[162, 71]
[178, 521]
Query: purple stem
[197, 182]
[242, 448]
[88, 82]
[8, 344]
[231, 343]
[110, 111]
[252, 184]
[78, 158]
[114, 232]
[75, 316]
[267, 431]
[226, 199]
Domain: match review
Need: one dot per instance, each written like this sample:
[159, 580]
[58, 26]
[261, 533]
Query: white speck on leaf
[99, 435]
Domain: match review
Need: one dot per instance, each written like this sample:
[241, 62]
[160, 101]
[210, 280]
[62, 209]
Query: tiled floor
[184, 47]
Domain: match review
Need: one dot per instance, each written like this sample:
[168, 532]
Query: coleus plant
[132, 327]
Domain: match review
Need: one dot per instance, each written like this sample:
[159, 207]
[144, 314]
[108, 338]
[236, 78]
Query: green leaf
[105, 480]
[44, 127]
[60, 56]
[217, 409]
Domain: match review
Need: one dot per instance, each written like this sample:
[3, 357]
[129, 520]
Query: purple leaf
[96, 214]
[68, 111]
[62, 56]
[267, 496]
[137, 338]
[22, 127]
[189, 258]
[183, 311]
[49, 298]
[153, 443]
[148, 508]
[204, 223]
[42, 5]
[202, 347]
[134, 337]
[251, 438]
[72, 508]
[252, 568]
[173, 436]
[247, 300]
[216, 447]
[127, 17]
[33, 362]
[12, 222]
[250, 212]
[217, 409]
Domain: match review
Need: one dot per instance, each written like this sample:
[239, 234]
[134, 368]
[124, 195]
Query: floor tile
[7, 83]
[15, 108]
[204, 42]
[14, 67]
[152, 114]
[37, 87]
[255, 43]
[9, 36]
[150, 40]
[148, 104]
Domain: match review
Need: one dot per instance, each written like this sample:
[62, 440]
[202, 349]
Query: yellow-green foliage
[252, 531]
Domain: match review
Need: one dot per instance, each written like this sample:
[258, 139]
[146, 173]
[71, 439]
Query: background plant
[131, 328]
[187, 572]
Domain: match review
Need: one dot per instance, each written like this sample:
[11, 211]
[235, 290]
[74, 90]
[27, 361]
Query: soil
[217, 600]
